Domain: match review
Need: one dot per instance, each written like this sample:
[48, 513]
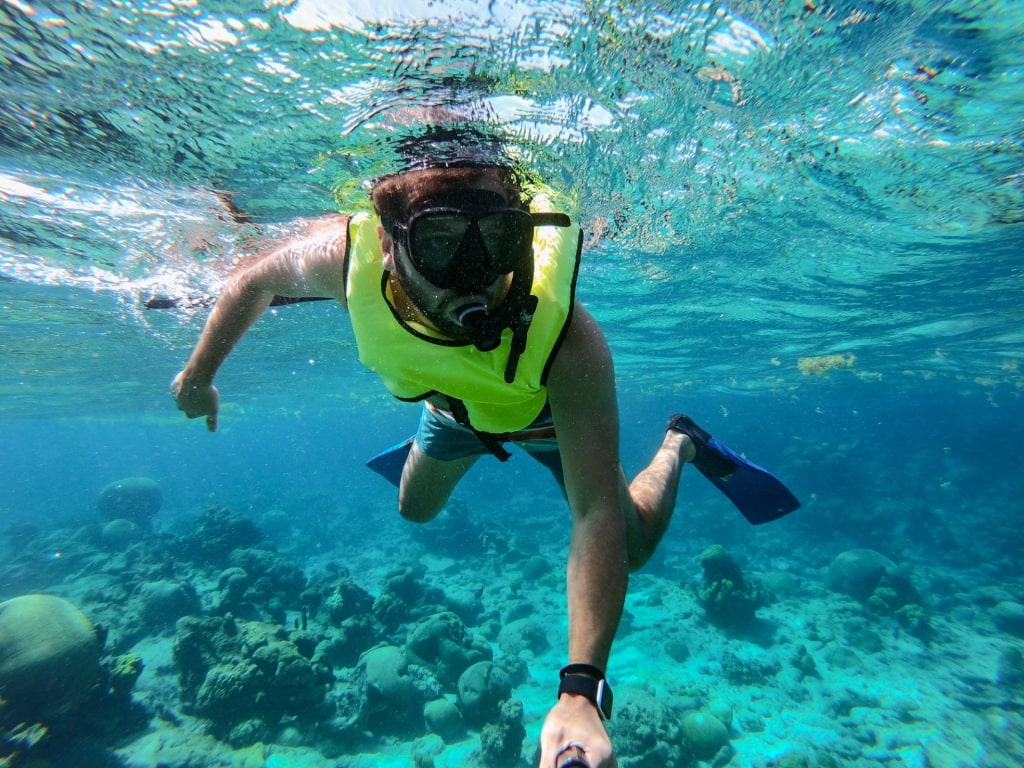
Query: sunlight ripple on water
[828, 176]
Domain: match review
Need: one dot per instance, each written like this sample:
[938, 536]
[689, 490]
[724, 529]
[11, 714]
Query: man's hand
[196, 399]
[574, 720]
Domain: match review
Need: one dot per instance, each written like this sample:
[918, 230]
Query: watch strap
[594, 689]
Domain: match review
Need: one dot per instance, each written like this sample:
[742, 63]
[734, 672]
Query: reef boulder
[443, 718]
[871, 577]
[217, 534]
[705, 734]
[857, 572]
[442, 642]
[161, 603]
[49, 658]
[482, 689]
[395, 691]
[501, 741]
[137, 499]
[1008, 616]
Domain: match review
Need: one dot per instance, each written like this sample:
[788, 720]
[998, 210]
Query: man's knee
[417, 512]
[638, 559]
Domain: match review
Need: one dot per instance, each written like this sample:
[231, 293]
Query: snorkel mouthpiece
[483, 334]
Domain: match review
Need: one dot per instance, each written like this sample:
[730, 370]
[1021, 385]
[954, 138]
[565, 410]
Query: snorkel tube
[483, 334]
[516, 312]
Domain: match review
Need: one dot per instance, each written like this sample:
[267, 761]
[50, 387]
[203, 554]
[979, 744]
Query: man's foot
[707, 459]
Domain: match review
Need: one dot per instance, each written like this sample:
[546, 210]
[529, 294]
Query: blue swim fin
[758, 494]
[389, 462]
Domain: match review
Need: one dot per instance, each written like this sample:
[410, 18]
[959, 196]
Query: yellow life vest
[416, 362]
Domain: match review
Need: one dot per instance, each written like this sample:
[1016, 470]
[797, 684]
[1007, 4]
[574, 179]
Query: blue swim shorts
[441, 437]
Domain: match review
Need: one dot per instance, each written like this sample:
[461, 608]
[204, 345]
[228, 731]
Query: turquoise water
[804, 229]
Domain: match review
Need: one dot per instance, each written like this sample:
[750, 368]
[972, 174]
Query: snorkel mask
[466, 240]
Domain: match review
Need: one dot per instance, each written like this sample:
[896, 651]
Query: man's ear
[387, 248]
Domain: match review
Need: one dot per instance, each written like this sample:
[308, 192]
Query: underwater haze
[804, 227]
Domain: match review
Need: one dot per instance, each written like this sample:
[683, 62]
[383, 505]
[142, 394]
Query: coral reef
[455, 532]
[161, 603]
[442, 717]
[406, 595]
[740, 671]
[395, 691]
[804, 663]
[218, 533]
[523, 636]
[882, 587]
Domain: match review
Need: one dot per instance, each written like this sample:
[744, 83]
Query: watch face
[604, 699]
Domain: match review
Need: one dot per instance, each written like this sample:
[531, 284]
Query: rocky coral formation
[882, 587]
[442, 717]
[704, 734]
[646, 732]
[159, 604]
[442, 642]
[455, 532]
[218, 533]
[406, 596]
[258, 584]
[501, 741]
[749, 671]
[243, 677]
[728, 598]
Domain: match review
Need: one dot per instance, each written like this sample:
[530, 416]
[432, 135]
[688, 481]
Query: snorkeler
[463, 297]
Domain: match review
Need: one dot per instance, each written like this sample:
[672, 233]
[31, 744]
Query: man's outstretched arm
[581, 389]
[311, 266]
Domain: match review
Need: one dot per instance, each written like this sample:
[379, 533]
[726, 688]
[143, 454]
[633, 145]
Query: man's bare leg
[651, 498]
[427, 483]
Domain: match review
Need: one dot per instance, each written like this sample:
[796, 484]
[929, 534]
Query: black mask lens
[466, 250]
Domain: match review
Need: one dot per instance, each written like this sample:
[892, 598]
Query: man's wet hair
[395, 196]
[438, 158]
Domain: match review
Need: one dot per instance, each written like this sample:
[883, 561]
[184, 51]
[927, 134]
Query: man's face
[457, 248]
[442, 306]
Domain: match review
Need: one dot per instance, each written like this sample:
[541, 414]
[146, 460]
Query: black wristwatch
[588, 681]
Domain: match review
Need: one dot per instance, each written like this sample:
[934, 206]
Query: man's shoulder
[325, 226]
